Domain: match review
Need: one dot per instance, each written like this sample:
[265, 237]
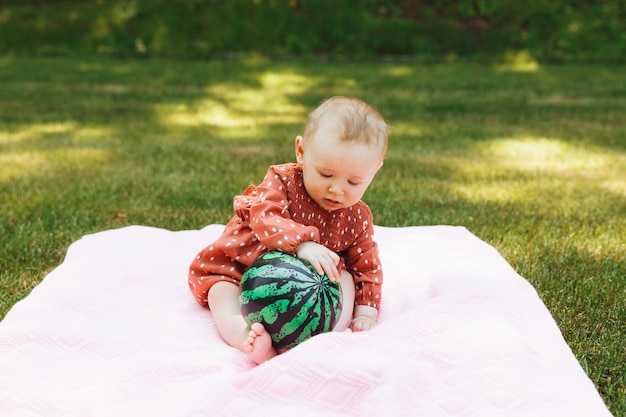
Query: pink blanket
[113, 331]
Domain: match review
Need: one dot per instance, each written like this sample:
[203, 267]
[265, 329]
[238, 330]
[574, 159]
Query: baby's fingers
[326, 266]
[317, 266]
[331, 271]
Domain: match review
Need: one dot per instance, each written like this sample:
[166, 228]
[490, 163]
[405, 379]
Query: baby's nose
[335, 189]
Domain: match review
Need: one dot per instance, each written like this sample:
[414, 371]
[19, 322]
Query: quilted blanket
[114, 331]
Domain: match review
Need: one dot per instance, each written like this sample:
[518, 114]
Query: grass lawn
[533, 162]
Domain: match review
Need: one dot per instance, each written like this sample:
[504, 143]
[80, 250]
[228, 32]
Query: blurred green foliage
[547, 30]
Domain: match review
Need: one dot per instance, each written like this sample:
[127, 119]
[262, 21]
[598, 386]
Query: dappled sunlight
[286, 83]
[206, 112]
[111, 88]
[20, 164]
[497, 193]
[30, 150]
[539, 170]
[617, 186]
[518, 61]
[603, 242]
[232, 106]
[15, 165]
[68, 130]
[406, 129]
[532, 154]
[561, 100]
[551, 180]
[35, 131]
[398, 71]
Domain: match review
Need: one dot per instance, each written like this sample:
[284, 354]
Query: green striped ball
[287, 296]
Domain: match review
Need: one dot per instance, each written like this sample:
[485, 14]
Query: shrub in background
[575, 30]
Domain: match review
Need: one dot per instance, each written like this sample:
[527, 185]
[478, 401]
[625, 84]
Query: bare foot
[258, 345]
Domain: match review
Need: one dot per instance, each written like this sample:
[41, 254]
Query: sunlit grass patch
[28, 163]
[519, 61]
[546, 154]
[549, 171]
[230, 106]
[615, 185]
[36, 149]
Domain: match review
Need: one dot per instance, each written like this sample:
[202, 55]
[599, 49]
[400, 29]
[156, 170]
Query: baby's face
[336, 174]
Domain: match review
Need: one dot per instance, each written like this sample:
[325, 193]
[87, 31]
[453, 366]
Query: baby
[311, 209]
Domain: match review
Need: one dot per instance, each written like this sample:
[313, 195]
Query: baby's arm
[363, 263]
[269, 215]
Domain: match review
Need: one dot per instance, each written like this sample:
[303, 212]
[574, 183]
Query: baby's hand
[362, 323]
[364, 318]
[323, 259]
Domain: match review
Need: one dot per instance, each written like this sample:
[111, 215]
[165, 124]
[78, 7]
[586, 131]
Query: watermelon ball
[287, 296]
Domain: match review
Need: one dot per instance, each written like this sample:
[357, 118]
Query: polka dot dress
[279, 214]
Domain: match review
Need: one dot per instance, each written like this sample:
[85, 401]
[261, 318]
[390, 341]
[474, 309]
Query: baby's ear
[299, 149]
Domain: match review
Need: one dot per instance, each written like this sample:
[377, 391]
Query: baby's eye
[354, 183]
[325, 175]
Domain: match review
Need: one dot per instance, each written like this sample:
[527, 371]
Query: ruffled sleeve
[266, 209]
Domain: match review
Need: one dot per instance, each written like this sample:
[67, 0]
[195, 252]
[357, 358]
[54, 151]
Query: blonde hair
[355, 120]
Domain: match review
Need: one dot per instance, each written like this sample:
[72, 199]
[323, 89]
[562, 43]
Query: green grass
[533, 162]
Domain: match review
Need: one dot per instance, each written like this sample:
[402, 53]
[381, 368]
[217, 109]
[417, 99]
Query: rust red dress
[279, 214]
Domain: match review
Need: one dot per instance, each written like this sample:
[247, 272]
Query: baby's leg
[224, 304]
[347, 290]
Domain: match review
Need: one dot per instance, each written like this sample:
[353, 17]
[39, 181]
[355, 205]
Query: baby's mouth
[332, 203]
